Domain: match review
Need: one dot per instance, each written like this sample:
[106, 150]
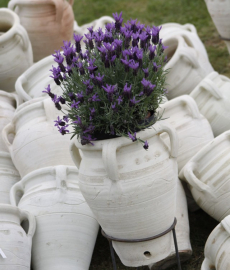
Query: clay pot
[16, 51]
[48, 23]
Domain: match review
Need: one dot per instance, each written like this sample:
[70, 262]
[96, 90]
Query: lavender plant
[113, 86]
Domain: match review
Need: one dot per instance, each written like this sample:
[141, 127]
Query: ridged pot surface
[66, 227]
[16, 51]
[132, 192]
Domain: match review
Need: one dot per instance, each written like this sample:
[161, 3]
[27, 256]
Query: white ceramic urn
[220, 13]
[186, 66]
[37, 142]
[132, 192]
[193, 129]
[212, 96]
[66, 228]
[217, 252]
[207, 174]
[16, 51]
[16, 243]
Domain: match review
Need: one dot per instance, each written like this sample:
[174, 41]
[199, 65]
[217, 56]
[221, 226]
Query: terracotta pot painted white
[220, 13]
[48, 23]
[182, 233]
[8, 103]
[194, 131]
[66, 228]
[207, 174]
[8, 177]
[15, 242]
[132, 192]
[36, 78]
[186, 66]
[37, 142]
[16, 51]
[188, 32]
[217, 251]
[212, 96]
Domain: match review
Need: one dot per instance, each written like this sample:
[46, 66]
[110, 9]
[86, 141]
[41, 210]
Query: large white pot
[15, 242]
[8, 177]
[132, 192]
[182, 233]
[48, 23]
[220, 13]
[217, 247]
[8, 103]
[207, 174]
[186, 66]
[37, 142]
[66, 228]
[16, 51]
[188, 32]
[212, 96]
[35, 79]
[194, 131]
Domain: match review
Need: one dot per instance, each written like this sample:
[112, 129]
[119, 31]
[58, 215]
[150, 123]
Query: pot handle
[19, 89]
[109, 150]
[74, 152]
[210, 87]
[20, 31]
[32, 224]
[71, 2]
[9, 128]
[13, 191]
[186, 52]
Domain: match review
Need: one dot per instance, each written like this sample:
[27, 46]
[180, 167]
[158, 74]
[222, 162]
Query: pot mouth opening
[172, 47]
[5, 26]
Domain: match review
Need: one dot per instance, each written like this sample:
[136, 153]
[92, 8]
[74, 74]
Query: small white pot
[194, 131]
[15, 243]
[182, 233]
[16, 51]
[220, 13]
[66, 227]
[212, 96]
[217, 251]
[207, 174]
[37, 142]
[188, 32]
[128, 189]
[186, 66]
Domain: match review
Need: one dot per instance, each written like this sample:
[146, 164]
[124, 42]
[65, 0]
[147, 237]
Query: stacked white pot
[16, 51]
[212, 96]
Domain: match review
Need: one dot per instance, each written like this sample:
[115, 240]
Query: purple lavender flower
[56, 75]
[81, 68]
[98, 38]
[69, 70]
[99, 79]
[63, 130]
[140, 27]
[87, 139]
[132, 137]
[152, 50]
[127, 35]
[139, 55]
[103, 53]
[146, 145]
[133, 65]
[148, 87]
[118, 21]
[72, 96]
[66, 118]
[92, 112]
[110, 26]
[155, 67]
[75, 104]
[78, 39]
[155, 34]
[143, 37]
[95, 98]
[126, 64]
[56, 100]
[135, 41]
[127, 91]
[133, 25]
[146, 72]
[91, 66]
[59, 122]
[133, 102]
[59, 59]
[89, 129]
[90, 29]
[114, 107]
[69, 52]
[80, 97]
[119, 100]
[48, 91]
[89, 89]
[90, 38]
[118, 46]
[109, 89]
[78, 121]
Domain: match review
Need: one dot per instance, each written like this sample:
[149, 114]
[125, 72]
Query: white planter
[15, 243]
[35, 79]
[207, 174]
[48, 23]
[132, 192]
[194, 131]
[188, 32]
[182, 233]
[8, 177]
[37, 142]
[16, 52]
[217, 251]
[187, 66]
[8, 103]
[212, 96]
[220, 13]
[66, 228]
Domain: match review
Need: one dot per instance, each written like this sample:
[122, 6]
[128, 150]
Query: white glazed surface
[37, 142]
[48, 23]
[127, 187]
[187, 66]
[15, 243]
[16, 51]
[194, 131]
[212, 96]
[217, 252]
[66, 228]
[208, 176]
